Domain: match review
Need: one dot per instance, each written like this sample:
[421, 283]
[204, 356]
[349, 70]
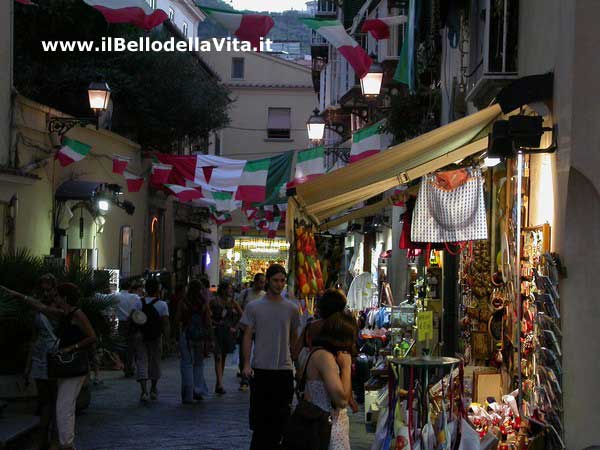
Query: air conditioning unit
[494, 49]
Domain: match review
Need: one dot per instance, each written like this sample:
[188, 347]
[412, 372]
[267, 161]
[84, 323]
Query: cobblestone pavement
[117, 421]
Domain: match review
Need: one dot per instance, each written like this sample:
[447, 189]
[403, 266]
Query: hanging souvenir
[450, 208]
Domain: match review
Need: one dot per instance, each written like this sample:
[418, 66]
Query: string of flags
[257, 188]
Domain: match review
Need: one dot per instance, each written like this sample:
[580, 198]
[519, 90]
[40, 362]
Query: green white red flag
[273, 226]
[380, 28]
[120, 164]
[135, 12]
[159, 173]
[368, 141]
[134, 182]
[220, 200]
[334, 32]
[253, 182]
[183, 193]
[282, 207]
[220, 217]
[72, 151]
[211, 173]
[246, 27]
[310, 164]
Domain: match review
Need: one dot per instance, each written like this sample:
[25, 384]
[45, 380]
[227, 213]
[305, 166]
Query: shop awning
[368, 210]
[343, 188]
[77, 190]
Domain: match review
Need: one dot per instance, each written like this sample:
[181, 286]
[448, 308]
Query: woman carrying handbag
[69, 363]
[320, 421]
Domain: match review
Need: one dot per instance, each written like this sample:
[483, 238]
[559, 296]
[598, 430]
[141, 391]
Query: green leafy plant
[20, 271]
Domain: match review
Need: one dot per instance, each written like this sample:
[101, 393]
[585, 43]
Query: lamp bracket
[550, 149]
[342, 153]
[61, 125]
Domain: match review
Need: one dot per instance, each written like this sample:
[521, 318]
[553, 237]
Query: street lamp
[315, 126]
[99, 97]
[370, 84]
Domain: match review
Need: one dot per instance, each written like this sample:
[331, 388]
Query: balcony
[494, 42]
[326, 8]
[317, 39]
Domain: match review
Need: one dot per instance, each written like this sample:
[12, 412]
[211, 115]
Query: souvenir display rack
[541, 354]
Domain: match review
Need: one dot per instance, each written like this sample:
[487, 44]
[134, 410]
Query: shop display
[309, 277]
[250, 256]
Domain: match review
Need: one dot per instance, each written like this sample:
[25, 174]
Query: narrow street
[117, 420]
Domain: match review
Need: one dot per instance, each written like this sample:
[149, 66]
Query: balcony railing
[317, 39]
[326, 8]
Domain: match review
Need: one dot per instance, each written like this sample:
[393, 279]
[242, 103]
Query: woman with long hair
[226, 313]
[74, 334]
[328, 368]
[194, 335]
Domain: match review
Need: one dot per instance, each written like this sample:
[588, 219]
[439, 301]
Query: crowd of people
[260, 320]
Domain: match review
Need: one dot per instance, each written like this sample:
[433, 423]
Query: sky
[268, 5]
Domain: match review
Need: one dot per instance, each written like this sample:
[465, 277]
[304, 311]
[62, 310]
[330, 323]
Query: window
[171, 14]
[126, 245]
[237, 68]
[279, 123]
[184, 29]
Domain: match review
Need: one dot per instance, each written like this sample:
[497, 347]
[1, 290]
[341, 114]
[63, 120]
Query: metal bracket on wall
[61, 125]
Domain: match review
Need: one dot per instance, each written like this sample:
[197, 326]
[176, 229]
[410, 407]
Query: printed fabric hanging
[450, 207]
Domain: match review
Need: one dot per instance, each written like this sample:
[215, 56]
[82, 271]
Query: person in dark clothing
[274, 321]
[226, 314]
[75, 334]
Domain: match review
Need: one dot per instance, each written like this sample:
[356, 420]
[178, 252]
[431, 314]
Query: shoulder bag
[309, 427]
[62, 364]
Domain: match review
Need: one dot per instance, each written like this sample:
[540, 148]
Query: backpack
[152, 329]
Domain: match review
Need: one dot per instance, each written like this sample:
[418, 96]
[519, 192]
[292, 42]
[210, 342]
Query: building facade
[537, 37]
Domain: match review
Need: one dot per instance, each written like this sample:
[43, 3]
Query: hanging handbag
[68, 365]
[65, 364]
[309, 427]
[450, 208]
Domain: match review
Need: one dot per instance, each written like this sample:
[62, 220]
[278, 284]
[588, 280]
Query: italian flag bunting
[282, 207]
[210, 172]
[368, 141]
[380, 28]
[253, 182]
[160, 173]
[221, 200]
[183, 193]
[309, 164]
[135, 12]
[269, 212]
[334, 32]
[72, 151]
[273, 227]
[120, 164]
[246, 27]
[134, 182]
[219, 217]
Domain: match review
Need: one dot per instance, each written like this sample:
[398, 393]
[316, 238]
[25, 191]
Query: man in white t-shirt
[148, 338]
[274, 321]
[126, 301]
